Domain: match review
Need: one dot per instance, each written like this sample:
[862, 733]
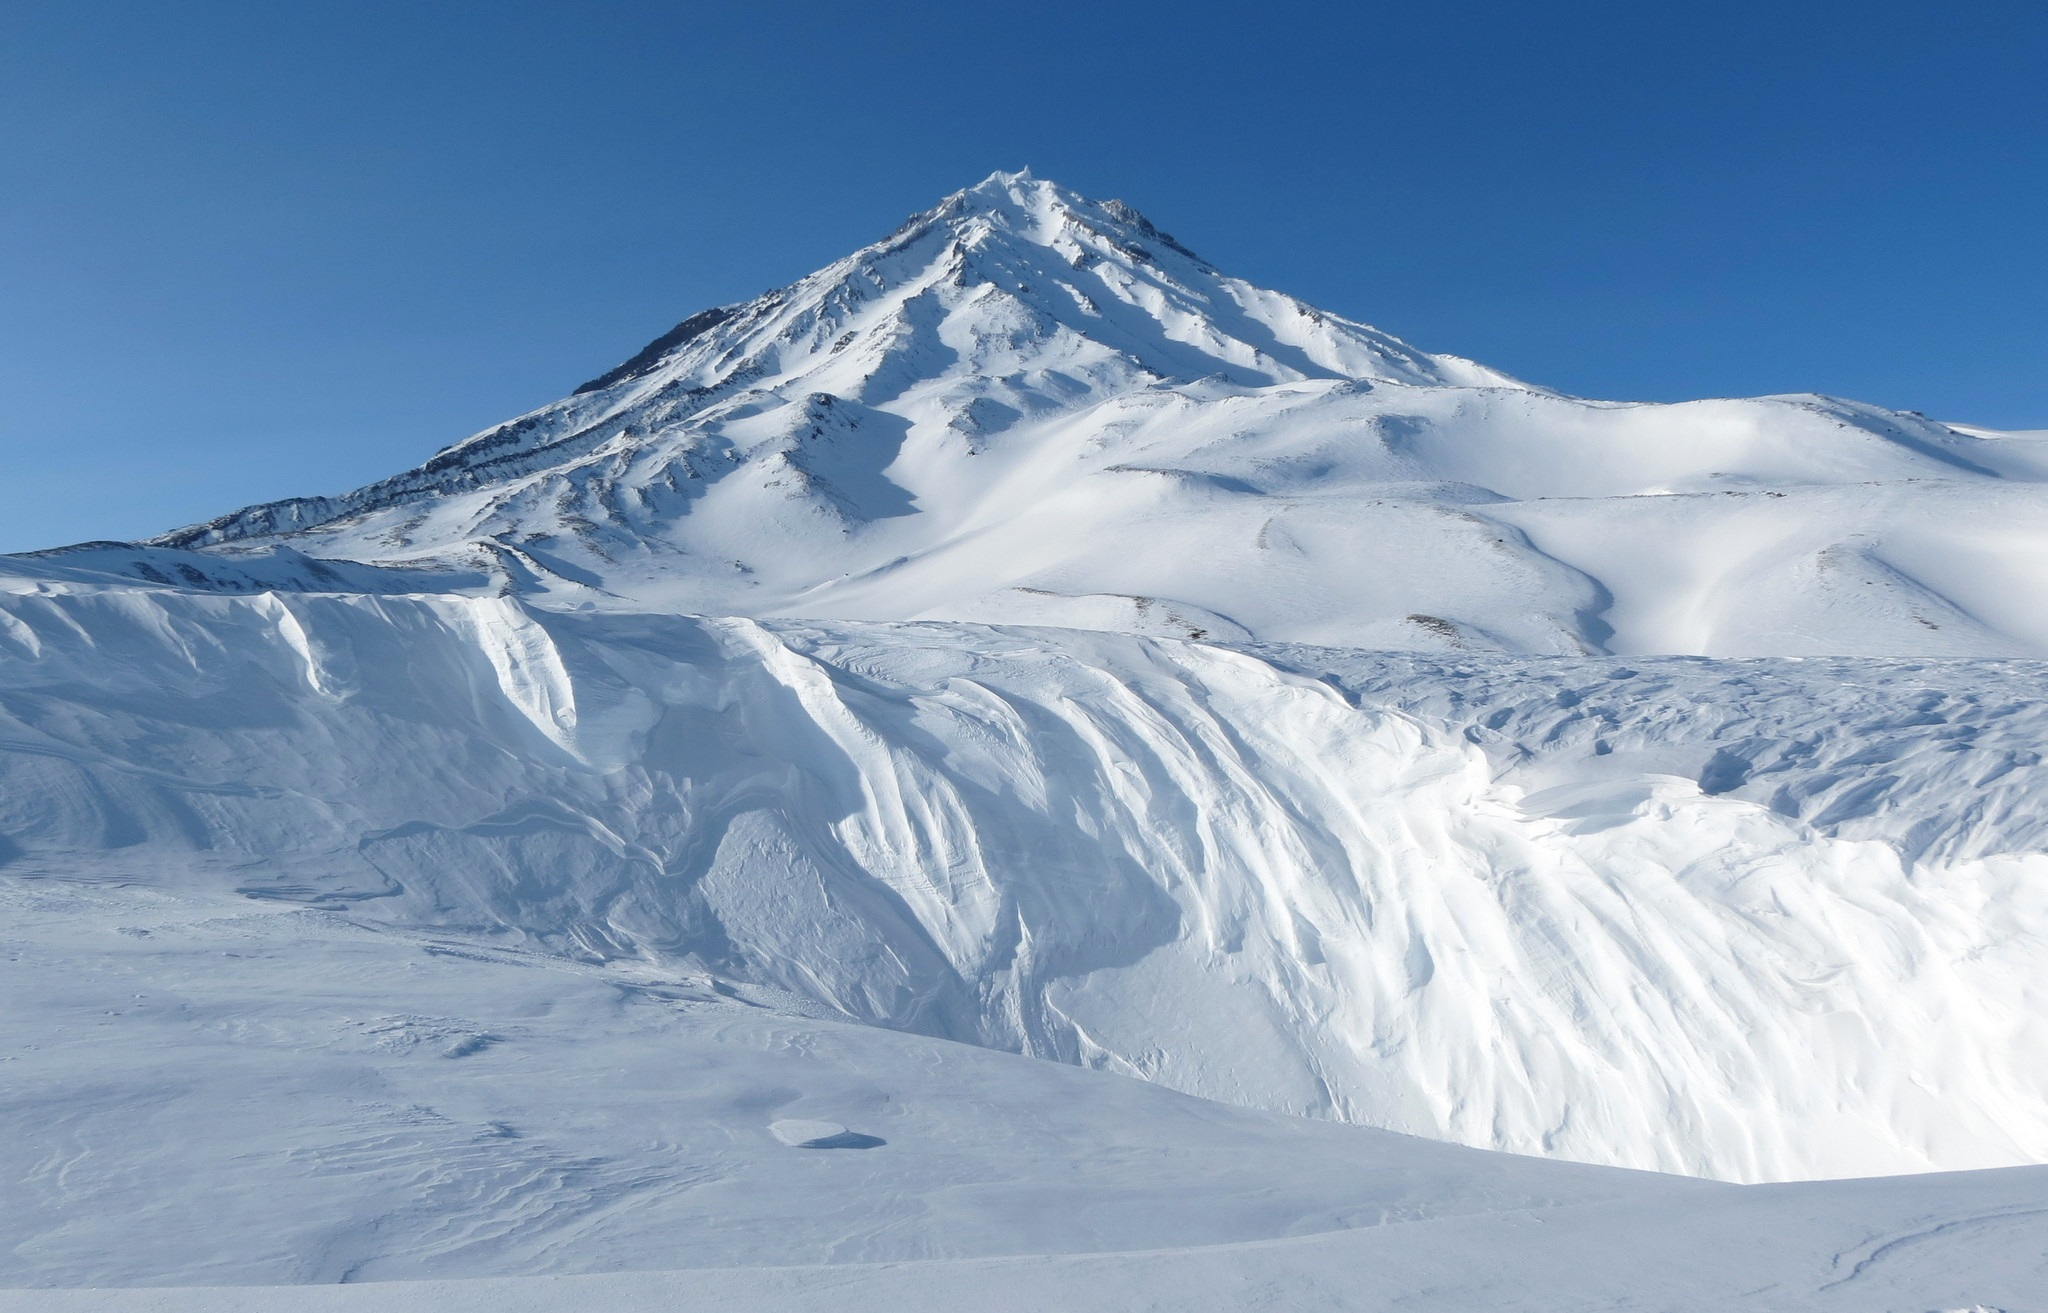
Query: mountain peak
[1028, 406]
[1011, 192]
[1000, 182]
[1038, 211]
[979, 324]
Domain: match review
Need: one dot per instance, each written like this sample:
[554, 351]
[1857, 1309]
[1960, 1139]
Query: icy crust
[273, 567]
[1414, 895]
[1941, 760]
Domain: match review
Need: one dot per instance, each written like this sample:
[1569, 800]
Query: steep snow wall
[1243, 873]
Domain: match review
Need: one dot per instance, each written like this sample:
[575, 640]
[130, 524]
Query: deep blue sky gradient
[255, 250]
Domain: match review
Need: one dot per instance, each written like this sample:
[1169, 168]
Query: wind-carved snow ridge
[1287, 879]
[1021, 632]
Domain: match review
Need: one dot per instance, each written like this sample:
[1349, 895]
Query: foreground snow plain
[211, 1096]
[1021, 639]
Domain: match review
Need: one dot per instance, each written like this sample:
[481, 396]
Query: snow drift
[1225, 870]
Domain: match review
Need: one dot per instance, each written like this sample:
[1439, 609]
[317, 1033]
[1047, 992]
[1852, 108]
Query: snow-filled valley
[646, 836]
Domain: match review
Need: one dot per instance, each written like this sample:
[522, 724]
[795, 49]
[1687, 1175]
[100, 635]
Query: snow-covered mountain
[1022, 633]
[1029, 407]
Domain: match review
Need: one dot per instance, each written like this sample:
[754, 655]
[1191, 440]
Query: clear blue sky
[254, 250]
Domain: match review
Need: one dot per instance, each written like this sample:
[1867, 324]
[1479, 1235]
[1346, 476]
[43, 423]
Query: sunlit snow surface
[645, 837]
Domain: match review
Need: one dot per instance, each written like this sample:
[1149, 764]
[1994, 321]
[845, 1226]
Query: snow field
[224, 1105]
